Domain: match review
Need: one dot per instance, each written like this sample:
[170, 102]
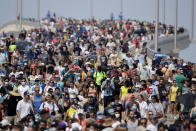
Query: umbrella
[187, 99]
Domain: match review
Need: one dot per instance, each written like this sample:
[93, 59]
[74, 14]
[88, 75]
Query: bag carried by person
[158, 115]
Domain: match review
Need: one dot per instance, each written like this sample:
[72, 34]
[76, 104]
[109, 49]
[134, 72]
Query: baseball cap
[100, 115]
[45, 110]
[26, 93]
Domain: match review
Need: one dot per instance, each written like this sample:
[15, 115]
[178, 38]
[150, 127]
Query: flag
[48, 15]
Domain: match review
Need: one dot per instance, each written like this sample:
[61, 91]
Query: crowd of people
[79, 75]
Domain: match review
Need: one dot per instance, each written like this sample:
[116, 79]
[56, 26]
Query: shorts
[172, 102]
[98, 88]
[164, 103]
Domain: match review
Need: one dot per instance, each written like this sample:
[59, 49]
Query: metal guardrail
[165, 41]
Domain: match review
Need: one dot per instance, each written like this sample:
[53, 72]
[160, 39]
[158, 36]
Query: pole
[20, 15]
[163, 11]
[92, 9]
[121, 6]
[176, 23]
[38, 11]
[192, 20]
[17, 14]
[157, 25]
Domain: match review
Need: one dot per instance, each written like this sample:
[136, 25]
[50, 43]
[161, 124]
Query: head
[26, 95]
[140, 98]
[57, 90]
[174, 83]
[90, 99]
[161, 127]
[37, 90]
[143, 122]
[23, 82]
[154, 99]
[42, 125]
[149, 82]
[49, 97]
[131, 114]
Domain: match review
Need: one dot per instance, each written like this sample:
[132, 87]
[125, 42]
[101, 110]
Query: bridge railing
[167, 43]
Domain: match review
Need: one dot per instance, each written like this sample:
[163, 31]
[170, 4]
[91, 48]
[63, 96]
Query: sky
[143, 10]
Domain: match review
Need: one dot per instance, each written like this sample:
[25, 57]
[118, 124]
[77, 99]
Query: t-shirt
[11, 105]
[99, 76]
[179, 78]
[173, 93]
[22, 89]
[133, 126]
[183, 89]
[124, 91]
[24, 108]
[155, 108]
[52, 106]
[143, 108]
[163, 93]
[73, 92]
[70, 112]
[151, 128]
[153, 91]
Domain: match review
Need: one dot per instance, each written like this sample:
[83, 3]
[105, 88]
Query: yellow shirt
[173, 93]
[124, 91]
[70, 112]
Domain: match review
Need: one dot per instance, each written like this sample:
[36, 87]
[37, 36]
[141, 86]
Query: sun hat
[15, 92]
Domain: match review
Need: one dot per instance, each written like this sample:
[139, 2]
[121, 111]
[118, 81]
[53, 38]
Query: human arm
[191, 114]
[17, 110]
[56, 109]
[68, 72]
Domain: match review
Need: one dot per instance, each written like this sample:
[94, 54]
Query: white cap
[184, 64]
[76, 125]
[80, 111]
[20, 72]
[88, 63]
[5, 123]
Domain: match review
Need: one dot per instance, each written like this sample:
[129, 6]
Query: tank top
[37, 102]
[173, 93]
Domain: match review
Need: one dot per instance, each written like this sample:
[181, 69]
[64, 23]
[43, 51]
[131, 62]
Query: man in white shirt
[24, 106]
[53, 109]
[23, 87]
[50, 85]
[153, 90]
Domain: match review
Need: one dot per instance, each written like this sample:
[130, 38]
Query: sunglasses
[36, 90]
[143, 123]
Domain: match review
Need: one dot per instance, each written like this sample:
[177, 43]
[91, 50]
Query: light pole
[20, 15]
[175, 25]
[121, 6]
[17, 14]
[192, 20]
[38, 11]
[163, 11]
[157, 26]
[92, 2]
